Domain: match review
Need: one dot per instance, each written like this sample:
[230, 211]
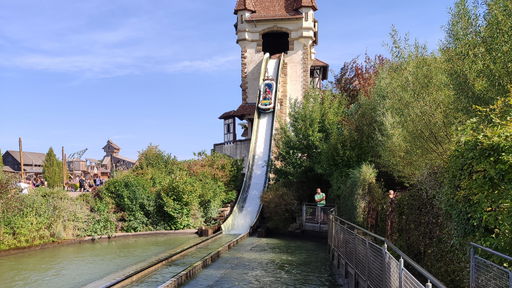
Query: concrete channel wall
[197, 267]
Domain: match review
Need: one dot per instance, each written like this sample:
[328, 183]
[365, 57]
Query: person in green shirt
[320, 202]
[319, 198]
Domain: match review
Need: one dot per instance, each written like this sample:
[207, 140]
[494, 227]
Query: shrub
[43, 215]
[480, 178]
[134, 199]
[360, 198]
[424, 230]
[280, 207]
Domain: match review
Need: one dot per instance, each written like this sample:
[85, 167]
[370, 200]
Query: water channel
[255, 262]
[76, 265]
[269, 262]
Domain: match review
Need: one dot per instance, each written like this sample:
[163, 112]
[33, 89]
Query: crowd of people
[83, 184]
[76, 184]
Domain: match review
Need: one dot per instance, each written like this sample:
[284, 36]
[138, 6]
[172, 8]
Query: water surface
[76, 265]
[169, 270]
[268, 262]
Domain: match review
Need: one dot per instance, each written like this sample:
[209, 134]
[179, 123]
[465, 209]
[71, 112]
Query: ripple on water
[267, 262]
[79, 264]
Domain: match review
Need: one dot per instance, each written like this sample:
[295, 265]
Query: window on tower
[275, 42]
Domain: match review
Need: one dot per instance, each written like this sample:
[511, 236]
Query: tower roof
[306, 3]
[245, 5]
[268, 9]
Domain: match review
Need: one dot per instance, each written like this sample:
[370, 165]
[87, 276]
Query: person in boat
[267, 97]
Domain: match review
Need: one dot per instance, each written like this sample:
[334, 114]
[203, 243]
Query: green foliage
[478, 53]
[359, 197]
[280, 207]
[218, 167]
[423, 230]
[306, 147]
[102, 219]
[43, 215]
[159, 193]
[480, 178]
[52, 169]
[414, 117]
[163, 193]
[132, 196]
[415, 111]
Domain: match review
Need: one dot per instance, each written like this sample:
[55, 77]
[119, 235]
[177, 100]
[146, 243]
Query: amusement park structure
[278, 64]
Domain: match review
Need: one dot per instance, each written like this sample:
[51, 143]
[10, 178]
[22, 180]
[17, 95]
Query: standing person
[81, 184]
[320, 202]
[391, 215]
[319, 198]
[97, 181]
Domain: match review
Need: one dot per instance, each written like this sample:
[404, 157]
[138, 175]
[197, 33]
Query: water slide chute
[248, 205]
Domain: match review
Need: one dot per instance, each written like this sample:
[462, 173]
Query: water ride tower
[274, 27]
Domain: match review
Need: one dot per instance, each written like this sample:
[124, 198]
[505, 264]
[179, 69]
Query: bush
[102, 219]
[360, 198]
[43, 215]
[134, 199]
[424, 231]
[480, 178]
[280, 207]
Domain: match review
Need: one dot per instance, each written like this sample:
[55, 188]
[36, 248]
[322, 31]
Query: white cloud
[94, 45]
[213, 64]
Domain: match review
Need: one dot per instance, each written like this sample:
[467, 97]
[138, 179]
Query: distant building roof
[274, 9]
[29, 158]
[320, 63]
[227, 115]
[106, 160]
[8, 169]
[29, 169]
[123, 158]
[244, 110]
[110, 143]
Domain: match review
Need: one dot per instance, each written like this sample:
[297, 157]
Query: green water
[267, 262]
[80, 264]
[168, 271]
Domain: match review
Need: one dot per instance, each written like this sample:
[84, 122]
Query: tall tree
[52, 169]
[477, 50]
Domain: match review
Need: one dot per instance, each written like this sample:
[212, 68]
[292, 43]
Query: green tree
[479, 193]
[477, 50]
[52, 169]
[306, 151]
[416, 111]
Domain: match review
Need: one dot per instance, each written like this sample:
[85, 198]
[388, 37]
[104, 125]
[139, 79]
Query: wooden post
[21, 159]
[63, 168]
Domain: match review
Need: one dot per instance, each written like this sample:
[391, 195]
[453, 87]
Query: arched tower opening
[276, 42]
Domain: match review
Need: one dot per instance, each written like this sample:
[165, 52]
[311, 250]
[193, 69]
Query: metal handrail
[489, 250]
[389, 244]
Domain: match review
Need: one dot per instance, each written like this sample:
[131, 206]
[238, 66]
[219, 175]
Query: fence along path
[360, 262]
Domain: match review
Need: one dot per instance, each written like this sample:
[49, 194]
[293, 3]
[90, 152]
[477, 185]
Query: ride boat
[266, 101]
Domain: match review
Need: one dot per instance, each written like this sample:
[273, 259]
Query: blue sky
[77, 73]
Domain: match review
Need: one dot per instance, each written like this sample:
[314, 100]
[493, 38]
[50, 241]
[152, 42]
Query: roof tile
[268, 9]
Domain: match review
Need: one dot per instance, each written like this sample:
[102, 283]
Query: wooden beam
[21, 159]
[63, 168]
